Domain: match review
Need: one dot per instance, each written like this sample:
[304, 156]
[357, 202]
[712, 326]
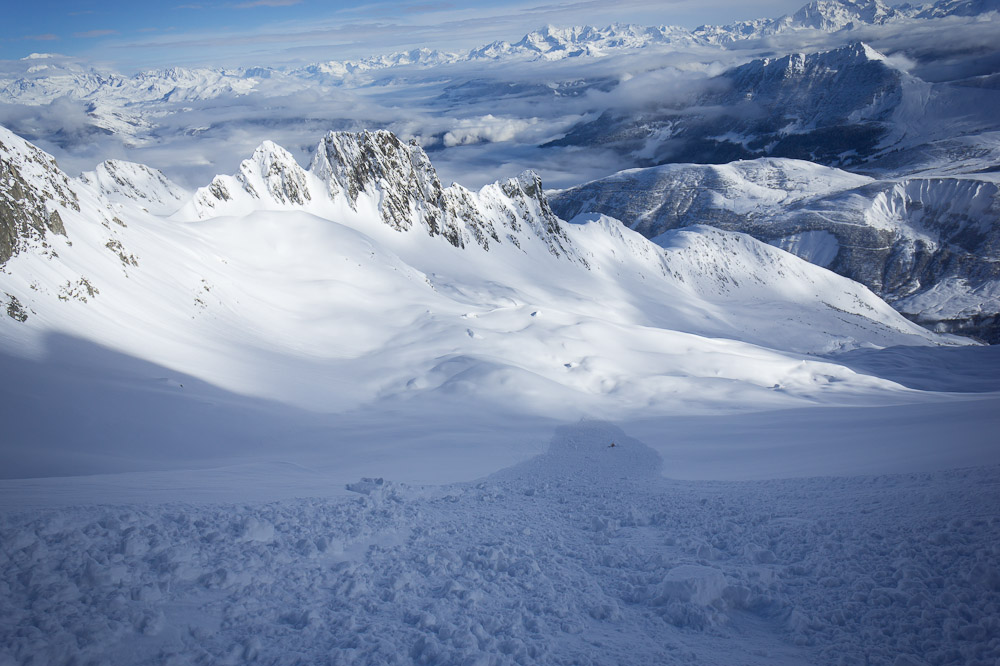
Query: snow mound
[692, 583]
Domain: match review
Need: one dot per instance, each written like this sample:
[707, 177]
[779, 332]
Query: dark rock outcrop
[32, 188]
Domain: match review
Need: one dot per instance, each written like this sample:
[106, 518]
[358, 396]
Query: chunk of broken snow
[257, 530]
[366, 486]
[692, 583]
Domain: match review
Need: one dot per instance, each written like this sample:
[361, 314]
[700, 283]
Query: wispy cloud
[90, 34]
[427, 7]
[48, 37]
[266, 3]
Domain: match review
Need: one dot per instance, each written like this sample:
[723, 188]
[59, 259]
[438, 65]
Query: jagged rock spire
[396, 177]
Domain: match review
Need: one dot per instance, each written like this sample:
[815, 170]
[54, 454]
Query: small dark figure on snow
[612, 445]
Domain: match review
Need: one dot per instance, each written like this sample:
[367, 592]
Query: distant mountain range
[41, 77]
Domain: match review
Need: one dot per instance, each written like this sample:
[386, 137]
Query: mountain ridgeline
[366, 251]
[405, 186]
[929, 246]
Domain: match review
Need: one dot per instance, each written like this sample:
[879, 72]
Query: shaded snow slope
[580, 555]
[929, 246]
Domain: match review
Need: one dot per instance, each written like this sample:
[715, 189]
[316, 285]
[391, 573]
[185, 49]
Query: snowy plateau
[690, 366]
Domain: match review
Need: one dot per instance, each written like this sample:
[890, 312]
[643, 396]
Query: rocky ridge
[119, 180]
[398, 179]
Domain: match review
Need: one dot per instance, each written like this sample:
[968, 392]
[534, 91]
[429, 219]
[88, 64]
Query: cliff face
[32, 188]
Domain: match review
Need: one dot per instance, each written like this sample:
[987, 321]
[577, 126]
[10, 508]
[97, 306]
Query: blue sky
[136, 34]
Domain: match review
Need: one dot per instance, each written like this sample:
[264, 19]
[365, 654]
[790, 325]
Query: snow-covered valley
[282, 395]
[178, 384]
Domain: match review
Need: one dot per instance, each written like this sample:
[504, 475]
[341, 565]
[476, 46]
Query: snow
[345, 414]
[877, 231]
[305, 435]
[583, 554]
[816, 247]
[126, 181]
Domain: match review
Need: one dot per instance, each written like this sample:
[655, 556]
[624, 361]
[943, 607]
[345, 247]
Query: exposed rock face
[404, 182]
[929, 246]
[401, 175]
[31, 189]
[399, 179]
[529, 203]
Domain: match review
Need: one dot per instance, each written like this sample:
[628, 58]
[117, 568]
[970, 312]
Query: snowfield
[346, 414]
[582, 555]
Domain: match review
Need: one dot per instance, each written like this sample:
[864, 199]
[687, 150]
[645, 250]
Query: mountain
[120, 181]
[33, 192]
[642, 91]
[944, 8]
[270, 282]
[400, 178]
[929, 246]
[40, 78]
[836, 107]
[821, 15]
[553, 43]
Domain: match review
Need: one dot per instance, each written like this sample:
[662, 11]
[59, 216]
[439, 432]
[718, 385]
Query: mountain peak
[378, 162]
[122, 180]
[273, 169]
[833, 15]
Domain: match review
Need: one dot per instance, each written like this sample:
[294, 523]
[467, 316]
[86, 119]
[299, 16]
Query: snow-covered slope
[363, 267]
[121, 181]
[927, 245]
[582, 554]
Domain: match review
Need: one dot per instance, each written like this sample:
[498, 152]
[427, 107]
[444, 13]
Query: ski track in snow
[582, 555]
